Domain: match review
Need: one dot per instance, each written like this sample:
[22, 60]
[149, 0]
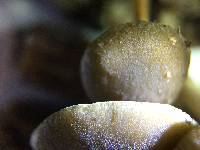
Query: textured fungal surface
[140, 62]
[114, 126]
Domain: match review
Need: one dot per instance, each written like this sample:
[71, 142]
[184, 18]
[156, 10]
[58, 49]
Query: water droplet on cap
[168, 76]
[173, 40]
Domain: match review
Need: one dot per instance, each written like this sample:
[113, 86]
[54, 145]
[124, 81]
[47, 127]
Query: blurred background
[41, 45]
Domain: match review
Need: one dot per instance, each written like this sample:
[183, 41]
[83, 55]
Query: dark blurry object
[190, 26]
[85, 12]
[18, 120]
[181, 13]
[183, 6]
[72, 5]
[40, 51]
[10, 139]
[98, 14]
[49, 57]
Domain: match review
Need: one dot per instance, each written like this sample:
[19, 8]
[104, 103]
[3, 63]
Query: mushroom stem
[142, 9]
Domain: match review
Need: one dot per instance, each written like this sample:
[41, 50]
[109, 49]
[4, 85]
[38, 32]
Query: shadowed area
[19, 118]
[172, 136]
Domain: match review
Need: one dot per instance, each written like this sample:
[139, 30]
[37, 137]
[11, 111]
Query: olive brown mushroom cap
[139, 62]
[113, 125]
